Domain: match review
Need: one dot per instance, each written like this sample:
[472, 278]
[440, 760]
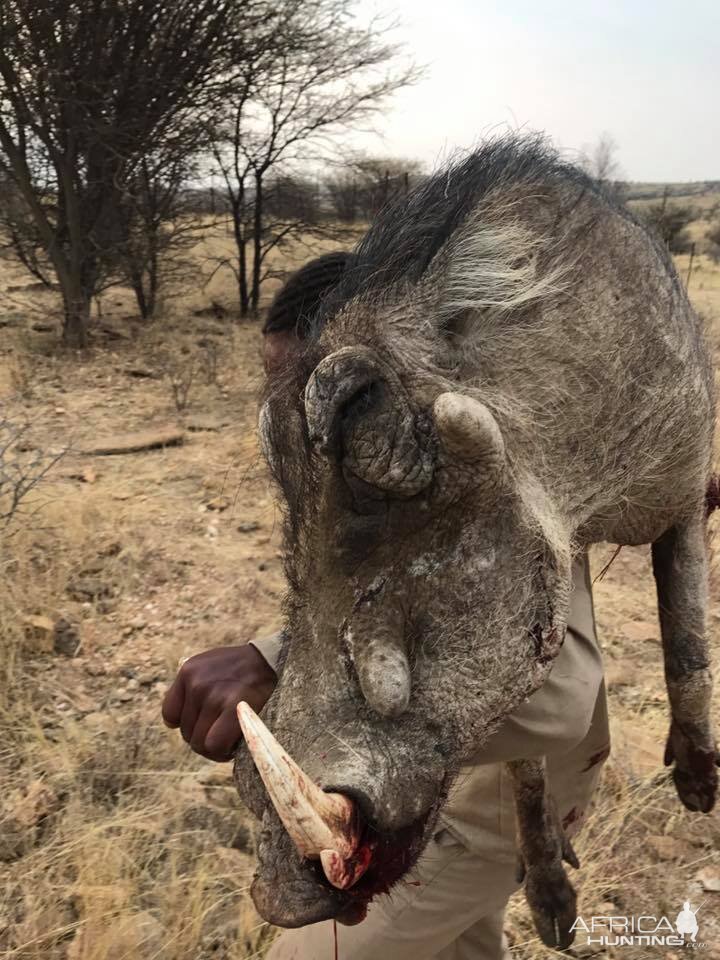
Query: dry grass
[115, 841]
[106, 828]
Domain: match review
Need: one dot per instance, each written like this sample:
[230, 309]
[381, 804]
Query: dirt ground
[116, 841]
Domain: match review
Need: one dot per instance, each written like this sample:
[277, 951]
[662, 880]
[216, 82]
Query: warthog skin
[428, 542]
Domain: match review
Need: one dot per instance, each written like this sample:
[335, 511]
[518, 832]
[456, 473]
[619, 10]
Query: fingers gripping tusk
[321, 825]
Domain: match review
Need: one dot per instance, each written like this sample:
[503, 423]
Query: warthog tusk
[344, 873]
[321, 825]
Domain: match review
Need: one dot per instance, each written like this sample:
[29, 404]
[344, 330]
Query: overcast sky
[648, 73]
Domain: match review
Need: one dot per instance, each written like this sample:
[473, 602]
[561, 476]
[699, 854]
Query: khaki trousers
[451, 906]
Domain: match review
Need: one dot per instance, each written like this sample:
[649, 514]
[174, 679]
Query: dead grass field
[115, 841]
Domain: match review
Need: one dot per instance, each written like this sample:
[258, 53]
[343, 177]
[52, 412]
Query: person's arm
[203, 698]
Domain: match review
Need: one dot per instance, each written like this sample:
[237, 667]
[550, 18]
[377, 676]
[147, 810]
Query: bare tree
[600, 161]
[345, 193]
[22, 467]
[712, 238]
[366, 184]
[292, 197]
[319, 75]
[19, 235]
[86, 90]
[670, 221]
[157, 228]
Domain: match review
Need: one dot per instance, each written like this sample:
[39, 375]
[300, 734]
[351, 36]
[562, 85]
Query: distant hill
[656, 191]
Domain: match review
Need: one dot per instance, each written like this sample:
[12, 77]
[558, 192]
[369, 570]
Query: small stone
[709, 877]
[667, 848]
[249, 527]
[125, 696]
[66, 638]
[87, 588]
[147, 677]
[98, 721]
[96, 669]
[585, 951]
[39, 631]
[142, 373]
[132, 684]
[218, 503]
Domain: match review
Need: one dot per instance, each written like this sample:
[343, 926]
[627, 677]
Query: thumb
[174, 701]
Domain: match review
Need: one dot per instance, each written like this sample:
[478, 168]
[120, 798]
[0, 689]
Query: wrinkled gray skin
[415, 568]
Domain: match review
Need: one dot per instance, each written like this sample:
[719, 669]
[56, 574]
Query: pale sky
[647, 73]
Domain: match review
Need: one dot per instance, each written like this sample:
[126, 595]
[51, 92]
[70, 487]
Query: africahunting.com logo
[642, 931]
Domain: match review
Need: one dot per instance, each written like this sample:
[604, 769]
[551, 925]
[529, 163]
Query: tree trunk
[243, 280]
[153, 285]
[139, 291]
[77, 318]
[240, 243]
[145, 283]
[257, 243]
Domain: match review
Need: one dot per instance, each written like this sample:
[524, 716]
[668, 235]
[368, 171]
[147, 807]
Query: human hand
[203, 698]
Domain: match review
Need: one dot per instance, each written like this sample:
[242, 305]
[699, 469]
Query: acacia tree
[365, 184]
[670, 221]
[712, 237]
[19, 234]
[87, 89]
[600, 162]
[319, 74]
[156, 226]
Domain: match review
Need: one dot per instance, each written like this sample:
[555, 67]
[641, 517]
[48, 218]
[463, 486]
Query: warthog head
[427, 596]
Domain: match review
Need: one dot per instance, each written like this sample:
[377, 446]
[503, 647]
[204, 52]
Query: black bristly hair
[408, 232]
[299, 298]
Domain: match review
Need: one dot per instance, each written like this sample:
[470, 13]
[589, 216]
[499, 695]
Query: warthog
[510, 372]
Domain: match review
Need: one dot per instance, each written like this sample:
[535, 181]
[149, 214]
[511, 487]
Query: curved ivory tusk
[319, 823]
[344, 873]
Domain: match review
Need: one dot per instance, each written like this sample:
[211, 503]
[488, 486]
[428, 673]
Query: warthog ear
[469, 432]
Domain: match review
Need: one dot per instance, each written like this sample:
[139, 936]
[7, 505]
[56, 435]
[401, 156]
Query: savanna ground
[117, 842]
